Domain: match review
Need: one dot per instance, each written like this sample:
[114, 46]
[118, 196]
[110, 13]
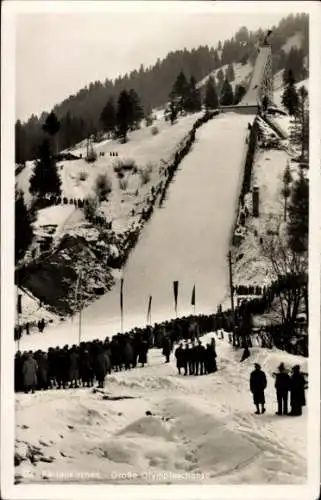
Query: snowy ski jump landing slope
[202, 429]
[251, 96]
[186, 240]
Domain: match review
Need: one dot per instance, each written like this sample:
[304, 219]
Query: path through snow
[202, 429]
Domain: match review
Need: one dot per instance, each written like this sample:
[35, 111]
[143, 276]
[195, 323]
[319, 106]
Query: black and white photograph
[161, 313]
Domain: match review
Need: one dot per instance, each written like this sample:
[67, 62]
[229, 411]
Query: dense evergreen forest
[80, 114]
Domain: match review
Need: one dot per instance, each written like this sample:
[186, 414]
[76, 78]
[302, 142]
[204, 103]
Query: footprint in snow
[43, 443]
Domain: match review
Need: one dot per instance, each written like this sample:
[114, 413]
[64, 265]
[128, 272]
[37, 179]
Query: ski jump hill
[261, 84]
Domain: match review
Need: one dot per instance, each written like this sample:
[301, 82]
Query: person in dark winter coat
[86, 369]
[128, 354]
[297, 386]
[115, 354]
[200, 359]
[62, 367]
[181, 359]
[187, 356]
[101, 366]
[43, 370]
[282, 386]
[210, 358]
[143, 350]
[52, 371]
[29, 372]
[18, 378]
[167, 348]
[74, 367]
[192, 359]
[258, 384]
[135, 345]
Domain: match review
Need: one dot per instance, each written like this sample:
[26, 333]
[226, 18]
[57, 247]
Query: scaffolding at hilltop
[261, 82]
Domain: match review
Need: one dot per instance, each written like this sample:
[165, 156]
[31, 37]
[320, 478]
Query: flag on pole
[193, 297]
[19, 306]
[175, 286]
[121, 301]
[149, 310]
[121, 293]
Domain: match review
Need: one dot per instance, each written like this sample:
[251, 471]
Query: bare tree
[290, 272]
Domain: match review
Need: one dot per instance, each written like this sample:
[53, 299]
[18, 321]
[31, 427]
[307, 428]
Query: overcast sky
[59, 53]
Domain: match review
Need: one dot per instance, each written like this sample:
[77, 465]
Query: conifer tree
[193, 101]
[23, 226]
[230, 74]
[124, 114]
[290, 97]
[52, 127]
[180, 92]
[108, 116]
[137, 112]
[20, 140]
[173, 111]
[227, 97]
[240, 91]
[298, 211]
[52, 124]
[45, 179]
[211, 99]
[220, 79]
[303, 115]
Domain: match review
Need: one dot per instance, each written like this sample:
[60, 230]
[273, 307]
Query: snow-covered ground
[149, 152]
[32, 311]
[184, 241]
[254, 268]
[202, 429]
[279, 87]
[143, 147]
[268, 170]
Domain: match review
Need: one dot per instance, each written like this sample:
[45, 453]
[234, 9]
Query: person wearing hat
[181, 359]
[258, 384]
[297, 386]
[30, 373]
[282, 386]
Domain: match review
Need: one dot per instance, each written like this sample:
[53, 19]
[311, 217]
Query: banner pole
[121, 306]
[79, 338]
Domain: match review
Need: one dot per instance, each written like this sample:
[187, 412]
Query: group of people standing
[76, 366]
[285, 385]
[196, 359]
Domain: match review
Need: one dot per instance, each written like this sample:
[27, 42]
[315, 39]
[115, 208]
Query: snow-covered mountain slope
[184, 241]
[279, 87]
[143, 147]
[32, 309]
[294, 41]
[242, 72]
[202, 429]
[148, 148]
